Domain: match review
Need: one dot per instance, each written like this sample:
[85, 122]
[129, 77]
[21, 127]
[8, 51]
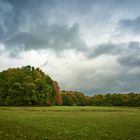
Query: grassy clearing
[69, 123]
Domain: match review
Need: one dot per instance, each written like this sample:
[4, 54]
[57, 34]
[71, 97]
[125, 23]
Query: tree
[67, 99]
[74, 98]
[98, 100]
[26, 86]
[58, 97]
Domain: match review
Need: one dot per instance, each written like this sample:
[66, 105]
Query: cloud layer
[79, 43]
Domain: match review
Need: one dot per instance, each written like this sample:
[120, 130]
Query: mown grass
[69, 123]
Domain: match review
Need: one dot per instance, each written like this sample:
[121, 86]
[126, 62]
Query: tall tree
[26, 86]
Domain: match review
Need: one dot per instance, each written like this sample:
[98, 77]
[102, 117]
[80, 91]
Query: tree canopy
[27, 86]
[77, 98]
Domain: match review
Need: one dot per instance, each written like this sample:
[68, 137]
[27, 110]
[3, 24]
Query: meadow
[69, 123]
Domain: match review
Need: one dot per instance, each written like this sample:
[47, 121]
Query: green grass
[69, 123]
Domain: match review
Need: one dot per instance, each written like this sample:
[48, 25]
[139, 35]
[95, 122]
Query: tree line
[29, 86]
[77, 98]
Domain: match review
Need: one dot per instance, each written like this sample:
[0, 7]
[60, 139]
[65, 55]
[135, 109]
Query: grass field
[69, 123]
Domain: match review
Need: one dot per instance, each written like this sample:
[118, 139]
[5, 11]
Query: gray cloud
[131, 56]
[130, 60]
[127, 53]
[124, 75]
[104, 49]
[21, 15]
[56, 37]
[130, 25]
[26, 25]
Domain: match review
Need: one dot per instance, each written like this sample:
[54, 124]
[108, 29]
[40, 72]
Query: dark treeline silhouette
[77, 98]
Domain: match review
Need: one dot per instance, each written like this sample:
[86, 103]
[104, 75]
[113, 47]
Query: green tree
[26, 86]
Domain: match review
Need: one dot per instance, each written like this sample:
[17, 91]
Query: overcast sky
[91, 46]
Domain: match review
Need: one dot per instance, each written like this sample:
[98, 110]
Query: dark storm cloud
[130, 25]
[17, 13]
[128, 54]
[131, 56]
[57, 37]
[30, 3]
[130, 60]
[24, 26]
[104, 49]
[1, 31]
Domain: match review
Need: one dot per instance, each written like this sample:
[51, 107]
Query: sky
[92, 46]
